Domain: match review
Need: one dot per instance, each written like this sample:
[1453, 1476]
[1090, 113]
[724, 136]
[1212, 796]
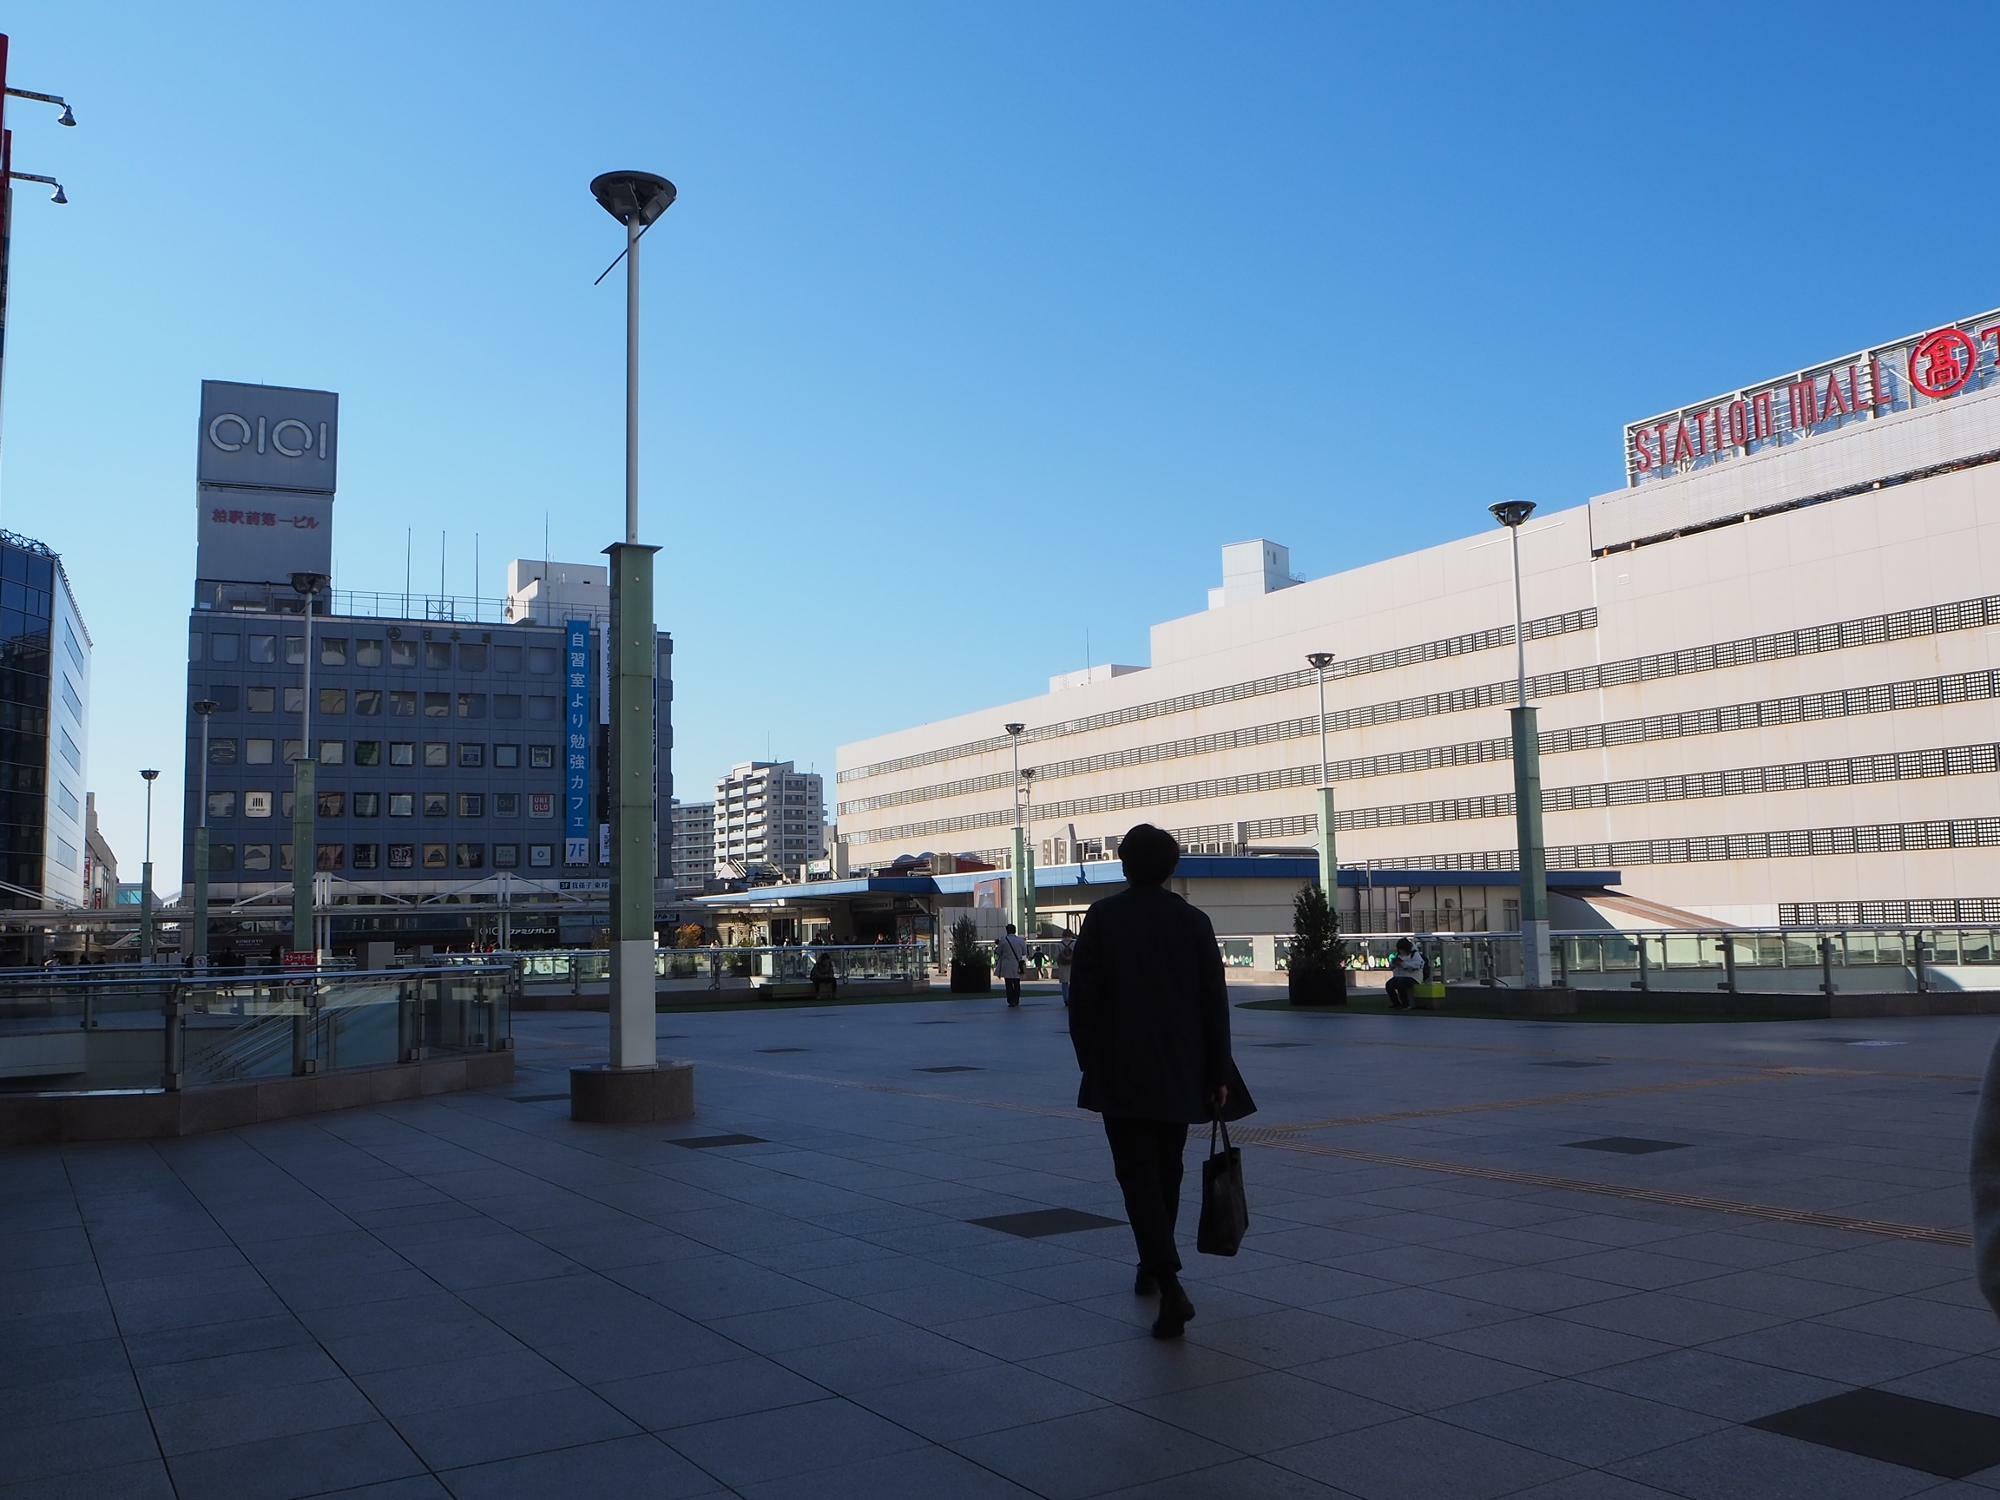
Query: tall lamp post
[203, 708]
[1329, 862]
[1535, 966]
[636, 200]
[146, 875]
[305, 776]
[1017, 894]
[1030, 911]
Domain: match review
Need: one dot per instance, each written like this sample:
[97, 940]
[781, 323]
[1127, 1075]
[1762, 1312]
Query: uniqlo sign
[1909, 373]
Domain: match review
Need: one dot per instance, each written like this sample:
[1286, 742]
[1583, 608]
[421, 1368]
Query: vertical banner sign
[576, 742]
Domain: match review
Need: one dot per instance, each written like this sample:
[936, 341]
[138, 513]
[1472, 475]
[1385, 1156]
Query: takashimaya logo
[1942, 362]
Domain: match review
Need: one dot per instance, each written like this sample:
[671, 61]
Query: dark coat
[1149, 1011]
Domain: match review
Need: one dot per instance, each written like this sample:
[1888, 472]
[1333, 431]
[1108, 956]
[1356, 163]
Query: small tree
[1316, 944]
[689, 935]
[965, 950]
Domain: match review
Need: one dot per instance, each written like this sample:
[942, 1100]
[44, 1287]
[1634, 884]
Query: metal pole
[1520, 631]
[200, 945]
[146, 883]
[304, 780]
[1320, 673]
[632, 232]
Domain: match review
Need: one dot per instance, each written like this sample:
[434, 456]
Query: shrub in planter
[1317, 970]
[971, 972]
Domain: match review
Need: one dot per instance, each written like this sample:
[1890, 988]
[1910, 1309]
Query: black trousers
[1146, 1155]
[1401, 989]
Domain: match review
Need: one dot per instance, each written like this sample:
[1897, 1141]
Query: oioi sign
[268, 437]
[1908, 373]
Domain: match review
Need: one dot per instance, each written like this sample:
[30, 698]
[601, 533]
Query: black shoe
[1175, 1310]
[1145, 1284]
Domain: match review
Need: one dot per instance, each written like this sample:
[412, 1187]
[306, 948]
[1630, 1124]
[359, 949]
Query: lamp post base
[631, 1096]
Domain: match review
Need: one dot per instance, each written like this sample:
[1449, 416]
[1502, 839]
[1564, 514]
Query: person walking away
[1065, 963]
[1149, 1019]
[1010, 959]
[1406, 972]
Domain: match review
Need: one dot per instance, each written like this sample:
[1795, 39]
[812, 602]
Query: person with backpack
[1406, 972]
[1010, 962]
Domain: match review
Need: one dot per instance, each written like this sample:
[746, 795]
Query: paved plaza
[1487, 1258]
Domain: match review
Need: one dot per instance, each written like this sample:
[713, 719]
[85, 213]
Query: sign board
[576, 742]
[267, 437]
[1902, 375]
[301, 958]
[262, 536]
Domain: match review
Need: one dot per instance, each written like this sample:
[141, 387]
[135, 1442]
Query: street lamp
[68, 116]
[305, 779]
[58, 196]
[1329, 866]
[203, 708]
[1018, 893]
[146, 875]
[1533, 860]
[636, 200]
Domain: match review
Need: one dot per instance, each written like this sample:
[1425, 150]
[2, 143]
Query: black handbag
[1225, 1212]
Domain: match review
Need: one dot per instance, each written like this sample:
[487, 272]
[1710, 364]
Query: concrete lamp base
[631, 1096]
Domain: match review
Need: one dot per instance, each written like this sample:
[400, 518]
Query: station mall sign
[1908, 373]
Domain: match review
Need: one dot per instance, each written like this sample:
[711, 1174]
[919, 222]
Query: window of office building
[333, 752]
[330, 857]
[333, 650]
[293, 750]
[263, 650]
[402, 705]
[471, 658]
[402, 804]
[435, 856]
[541, 856]
[367, 804]
[333, 804]
[256, 856]
[367, 653]
[285, 805]
[543, 658]
[402, 753]
[506, 804]
[472, 856]
[472, 705]
[402, 654]
[541, 757]
[437, 752]
[471, 805]
[295, 650]
[402, 856]
[258, 752]
[365, 856]
[295, 700]
[471, 757]
[437, 804]
[367, 752]
[223, 647]
[333, 700]
[437, 656]
[542, 710]
[437, 705]
[506, 757]
[506, 659]
[221, 858]
[222, 752]
[221, 805]
[225, 698]
[256, 804]
[506, 856]
[368, 702]
[261, 700]
[507, 706]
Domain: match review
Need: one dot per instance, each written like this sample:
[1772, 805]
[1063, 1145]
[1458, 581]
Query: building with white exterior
[1765, 670]
[44, 728]
[691, 841]
[768, 814]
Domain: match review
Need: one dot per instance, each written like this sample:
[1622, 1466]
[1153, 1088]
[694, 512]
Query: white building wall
[65, 837]
[1931, 541]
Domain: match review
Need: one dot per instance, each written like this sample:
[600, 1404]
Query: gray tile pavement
[470, 1296]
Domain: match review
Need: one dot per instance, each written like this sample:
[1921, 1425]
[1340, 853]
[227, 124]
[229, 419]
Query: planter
[1323, 987]
[971, 979]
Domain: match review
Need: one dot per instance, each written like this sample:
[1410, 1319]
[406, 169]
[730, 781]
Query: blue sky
[975, 327]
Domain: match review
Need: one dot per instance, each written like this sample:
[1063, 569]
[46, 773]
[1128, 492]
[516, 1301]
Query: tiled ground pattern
[789, 1296]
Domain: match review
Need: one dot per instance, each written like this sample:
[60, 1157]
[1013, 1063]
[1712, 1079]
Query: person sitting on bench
[822, 974]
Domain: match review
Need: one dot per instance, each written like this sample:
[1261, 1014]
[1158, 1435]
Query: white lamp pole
[1329, 860]
[146, 945]
[1533, 862]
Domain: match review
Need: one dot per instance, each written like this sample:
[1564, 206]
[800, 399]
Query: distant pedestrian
[1065, 963]
[1149, 1018]
[822, 974]
[1010, 961]
[1406, 972]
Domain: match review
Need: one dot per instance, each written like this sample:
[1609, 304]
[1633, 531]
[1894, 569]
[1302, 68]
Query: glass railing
[1779, 960]
[724, 967]
[180, 1030]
